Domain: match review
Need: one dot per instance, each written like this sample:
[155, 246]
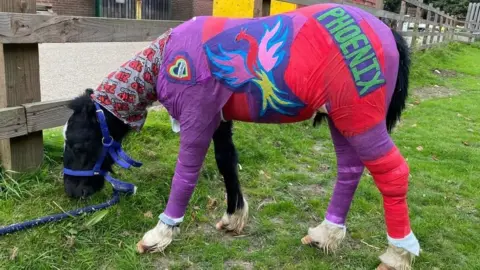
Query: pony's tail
[319, 118]
[400, 93]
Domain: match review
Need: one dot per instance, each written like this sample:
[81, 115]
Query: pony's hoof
[326, 236]
[157, 239]
[396, 258]
[219, 225]
[234, 222]
[383, 266]
[141, 248]
[307, 240]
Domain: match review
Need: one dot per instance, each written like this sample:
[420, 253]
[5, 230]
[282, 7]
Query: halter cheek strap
[114, 149]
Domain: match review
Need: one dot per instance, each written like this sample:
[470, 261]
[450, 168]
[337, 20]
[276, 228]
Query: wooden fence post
[468, 18]
[19, 85]
[435, 24]
[477, 16]
[450, 27]
[427, 39]
[418, 15]
[403, 9]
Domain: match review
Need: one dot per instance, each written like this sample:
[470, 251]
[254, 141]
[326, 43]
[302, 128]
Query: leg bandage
[349, 171]
[390, 174]
[345, 187]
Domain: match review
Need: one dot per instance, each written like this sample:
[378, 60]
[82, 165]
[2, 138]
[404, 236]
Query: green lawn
[287, 176]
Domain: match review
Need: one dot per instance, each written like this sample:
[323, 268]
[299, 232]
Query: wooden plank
[468, 18]
[12, 122]
[32, 28]
[418, 13]
[403, 9]
[44, 115]
[477, 17]
[21, 85]
[434, 37]
[426, 39]
[257, 8]
[411, 33]
[476, 8]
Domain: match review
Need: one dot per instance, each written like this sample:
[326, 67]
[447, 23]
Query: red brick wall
[71, 7]
[186, 9]
[182, 9]
[202, 7]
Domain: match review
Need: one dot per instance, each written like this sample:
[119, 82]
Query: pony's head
[242, 35]
[83, 145]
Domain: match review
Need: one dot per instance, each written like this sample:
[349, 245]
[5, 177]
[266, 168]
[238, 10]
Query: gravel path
[66, 69]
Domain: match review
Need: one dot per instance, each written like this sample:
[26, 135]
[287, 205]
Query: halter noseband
[114, 149]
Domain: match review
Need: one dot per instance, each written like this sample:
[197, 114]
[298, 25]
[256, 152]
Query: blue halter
[114, 149]
[110, 147]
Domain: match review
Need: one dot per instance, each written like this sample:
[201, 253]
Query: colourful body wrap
[282, 69]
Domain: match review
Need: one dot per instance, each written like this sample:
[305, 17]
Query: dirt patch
[164, 263]
[277, 221]
[238, 265]
[314, 189]
[445, 73]
[319, 147]
[434, 92]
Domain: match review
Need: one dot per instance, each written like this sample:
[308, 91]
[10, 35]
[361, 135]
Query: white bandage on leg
[409, 243]
[170, 221]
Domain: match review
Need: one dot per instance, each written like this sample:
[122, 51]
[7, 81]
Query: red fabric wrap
[390, 174]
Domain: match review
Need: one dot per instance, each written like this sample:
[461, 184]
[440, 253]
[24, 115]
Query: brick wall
[202, 7]
[186, 9]
[71, 7]
[182, 9]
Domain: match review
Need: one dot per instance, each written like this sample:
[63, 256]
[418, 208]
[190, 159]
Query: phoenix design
[257, 64]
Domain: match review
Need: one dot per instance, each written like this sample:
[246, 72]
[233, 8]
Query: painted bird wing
[230, 66]
[270, 51]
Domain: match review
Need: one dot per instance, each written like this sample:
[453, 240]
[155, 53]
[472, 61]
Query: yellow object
[139, 10]
[233, 8]
[277, 7]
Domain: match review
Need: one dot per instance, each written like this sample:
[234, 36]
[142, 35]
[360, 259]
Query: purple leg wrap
[350, 169]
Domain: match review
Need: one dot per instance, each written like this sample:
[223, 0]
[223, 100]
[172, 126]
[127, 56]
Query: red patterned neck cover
[128, 91]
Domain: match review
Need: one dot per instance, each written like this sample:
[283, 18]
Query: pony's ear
[88, 92]
[82, 102]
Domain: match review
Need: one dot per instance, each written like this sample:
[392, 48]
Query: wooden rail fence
[23, 116]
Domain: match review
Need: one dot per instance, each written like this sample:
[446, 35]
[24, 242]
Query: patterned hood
[128, 91]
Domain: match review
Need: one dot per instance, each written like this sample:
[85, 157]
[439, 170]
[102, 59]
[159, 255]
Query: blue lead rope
[110, 147]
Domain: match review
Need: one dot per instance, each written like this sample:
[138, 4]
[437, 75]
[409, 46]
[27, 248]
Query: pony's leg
[390, 173]
[330, 233]
[227, 162]
[195, 138]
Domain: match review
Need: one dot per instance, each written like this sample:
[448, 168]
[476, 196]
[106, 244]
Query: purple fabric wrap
[350, 169]
[196, 105]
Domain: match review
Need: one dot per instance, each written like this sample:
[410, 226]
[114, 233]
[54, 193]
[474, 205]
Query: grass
[287, 175]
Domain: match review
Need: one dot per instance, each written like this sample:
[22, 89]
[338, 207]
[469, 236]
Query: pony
[328, 62]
